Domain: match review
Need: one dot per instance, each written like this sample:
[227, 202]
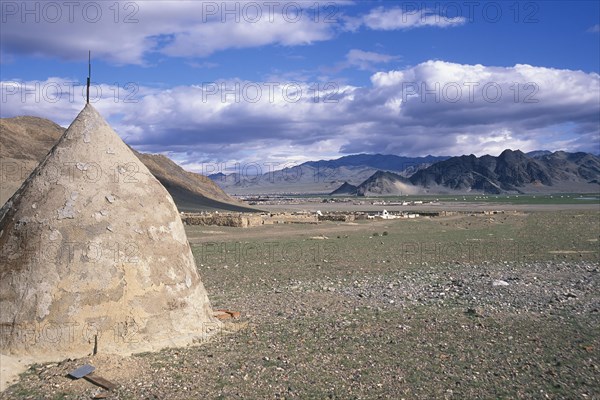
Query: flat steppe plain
[465, 306]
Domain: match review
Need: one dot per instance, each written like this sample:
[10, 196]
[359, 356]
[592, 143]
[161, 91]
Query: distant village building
[386, 215]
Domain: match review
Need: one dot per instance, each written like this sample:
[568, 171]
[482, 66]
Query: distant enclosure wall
[245, 220]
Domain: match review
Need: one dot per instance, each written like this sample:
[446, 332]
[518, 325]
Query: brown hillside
[27, 138]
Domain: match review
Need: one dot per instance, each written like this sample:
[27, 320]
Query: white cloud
[594, 29]
[61, 99]
[127, 32]
[434, 107]
[402, 18]
[203, 39]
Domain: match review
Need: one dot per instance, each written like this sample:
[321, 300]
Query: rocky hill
[512, 171]
[345, 190]
[384, 183]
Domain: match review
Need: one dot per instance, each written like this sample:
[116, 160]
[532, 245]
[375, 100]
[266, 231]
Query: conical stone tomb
[94, 256]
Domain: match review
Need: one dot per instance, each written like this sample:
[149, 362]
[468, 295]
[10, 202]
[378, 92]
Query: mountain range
[321, 176]
[510, 172]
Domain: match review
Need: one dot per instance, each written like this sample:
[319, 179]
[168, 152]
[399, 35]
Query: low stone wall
[233, 220]
[337, 217]
[286, 218]
[239, 220]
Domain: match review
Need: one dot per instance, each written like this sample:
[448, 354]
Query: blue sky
[397, 75]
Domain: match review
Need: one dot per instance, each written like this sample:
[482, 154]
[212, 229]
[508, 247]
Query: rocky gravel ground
[372, 325]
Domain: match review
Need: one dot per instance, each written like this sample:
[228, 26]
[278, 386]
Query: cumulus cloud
[61, 99]
[203, 39]
[126, 32]
[434, 107]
